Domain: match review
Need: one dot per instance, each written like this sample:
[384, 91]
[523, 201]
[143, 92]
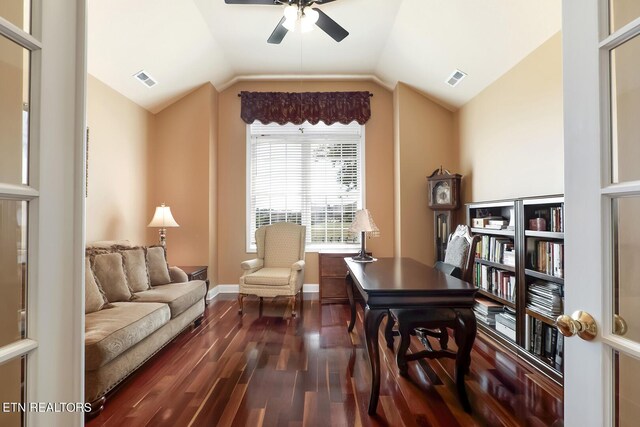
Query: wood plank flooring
[265, 368]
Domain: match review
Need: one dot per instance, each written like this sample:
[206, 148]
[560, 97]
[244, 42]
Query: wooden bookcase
[535, 253]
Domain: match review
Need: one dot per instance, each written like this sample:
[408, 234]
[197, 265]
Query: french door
[42, 80]
[601, 50]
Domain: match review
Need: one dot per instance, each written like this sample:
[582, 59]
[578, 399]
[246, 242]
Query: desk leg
[465, 335]
[372, 319]
[352, 302]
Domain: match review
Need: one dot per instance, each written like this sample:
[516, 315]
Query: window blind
[307, 174]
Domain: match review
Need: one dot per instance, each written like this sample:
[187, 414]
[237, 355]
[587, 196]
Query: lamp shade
[163, 218]
[364, 222]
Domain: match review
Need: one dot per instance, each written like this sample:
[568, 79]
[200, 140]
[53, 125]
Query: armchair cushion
[269, 276]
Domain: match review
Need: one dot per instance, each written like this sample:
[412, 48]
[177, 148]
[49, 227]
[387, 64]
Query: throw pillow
[135, 268]
[157, 266]
[94, 299]
[457, 251]
[109, 271]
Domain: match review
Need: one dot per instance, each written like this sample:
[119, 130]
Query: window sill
[321, 248]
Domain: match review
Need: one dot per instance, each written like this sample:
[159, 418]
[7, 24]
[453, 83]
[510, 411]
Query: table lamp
[364, 224]
[163, 219]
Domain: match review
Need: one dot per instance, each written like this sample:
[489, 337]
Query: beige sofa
[123, 330]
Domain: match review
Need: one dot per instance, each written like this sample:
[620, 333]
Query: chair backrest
[461, 251]
[281, 244]
[449, 269]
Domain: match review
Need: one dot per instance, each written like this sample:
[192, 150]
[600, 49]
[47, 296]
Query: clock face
[442, 193]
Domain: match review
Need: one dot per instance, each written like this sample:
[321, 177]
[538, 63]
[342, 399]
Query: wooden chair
[458, 263]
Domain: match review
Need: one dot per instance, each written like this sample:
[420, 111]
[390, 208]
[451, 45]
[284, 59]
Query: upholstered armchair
[278, 269]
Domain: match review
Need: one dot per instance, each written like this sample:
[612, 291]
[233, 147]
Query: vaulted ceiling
[185, 43]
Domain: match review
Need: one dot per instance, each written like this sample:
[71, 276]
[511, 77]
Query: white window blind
[307, 174]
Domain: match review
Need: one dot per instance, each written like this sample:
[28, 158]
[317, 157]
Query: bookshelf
[519, 272]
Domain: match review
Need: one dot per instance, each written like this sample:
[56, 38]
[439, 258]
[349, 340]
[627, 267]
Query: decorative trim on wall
[307, 78]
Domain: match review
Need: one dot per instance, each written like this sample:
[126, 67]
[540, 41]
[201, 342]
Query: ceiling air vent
[145, 78]
[455, 78]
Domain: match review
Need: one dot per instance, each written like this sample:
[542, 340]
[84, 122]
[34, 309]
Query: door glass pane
[621, 12]
[625, 110]
[14, 114]
[12, 387]
[18, 12]
[627, 390]
[13, 267]
[626, 297]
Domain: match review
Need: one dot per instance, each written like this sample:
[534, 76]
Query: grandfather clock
[444, 199]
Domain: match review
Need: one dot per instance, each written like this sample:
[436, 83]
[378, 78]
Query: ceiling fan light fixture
[308, 20]
[291, 12]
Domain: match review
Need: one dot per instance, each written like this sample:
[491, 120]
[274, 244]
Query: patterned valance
[313, 107]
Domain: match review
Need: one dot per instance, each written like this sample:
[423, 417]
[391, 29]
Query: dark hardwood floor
[267, 368]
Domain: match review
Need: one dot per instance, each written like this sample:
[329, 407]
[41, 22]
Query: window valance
[313, 107]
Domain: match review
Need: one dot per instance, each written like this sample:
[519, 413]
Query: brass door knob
[619, 325]
[579, 323]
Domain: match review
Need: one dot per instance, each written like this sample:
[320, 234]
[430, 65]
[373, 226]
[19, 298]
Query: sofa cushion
[157, 266]
[109, 271]
[135, 268]
[111, 331]
[179, 296]
[94, 299]
[269, 276]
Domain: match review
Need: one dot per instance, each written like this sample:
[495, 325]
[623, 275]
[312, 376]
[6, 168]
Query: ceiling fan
[303, 11]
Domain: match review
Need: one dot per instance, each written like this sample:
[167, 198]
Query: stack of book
[506, 324]
[548, 258]
[497, 224]
[486, 310]
[546, 343]
[545, 298]
[494, 249]
[498, 282]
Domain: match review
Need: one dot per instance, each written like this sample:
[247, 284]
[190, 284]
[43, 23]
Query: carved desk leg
[352, 302]
[465, 335]
[372, 319]
[388, 331]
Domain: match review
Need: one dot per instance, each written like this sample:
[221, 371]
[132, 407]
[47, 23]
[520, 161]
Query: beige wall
[511, 134]
[179, 175]
[232, 172]
[120, 133]
[424, 141]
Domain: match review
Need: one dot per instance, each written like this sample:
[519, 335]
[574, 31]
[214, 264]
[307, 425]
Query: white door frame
[55, 297]
[588, 377]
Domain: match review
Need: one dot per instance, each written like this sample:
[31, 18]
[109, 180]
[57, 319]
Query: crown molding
[306, 77]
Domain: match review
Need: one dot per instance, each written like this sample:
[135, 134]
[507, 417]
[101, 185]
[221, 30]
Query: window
[307, 174]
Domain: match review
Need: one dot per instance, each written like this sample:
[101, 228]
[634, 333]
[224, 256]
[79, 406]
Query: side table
[197, 272]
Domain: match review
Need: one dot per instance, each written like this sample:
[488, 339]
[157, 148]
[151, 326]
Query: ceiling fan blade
[278, 33]
[323, 1]
[330, 26]
[267, 2]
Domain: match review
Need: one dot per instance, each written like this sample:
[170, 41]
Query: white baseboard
[307, 288]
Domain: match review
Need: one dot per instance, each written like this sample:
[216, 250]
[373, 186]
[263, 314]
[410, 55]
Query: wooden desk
[403, 283]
